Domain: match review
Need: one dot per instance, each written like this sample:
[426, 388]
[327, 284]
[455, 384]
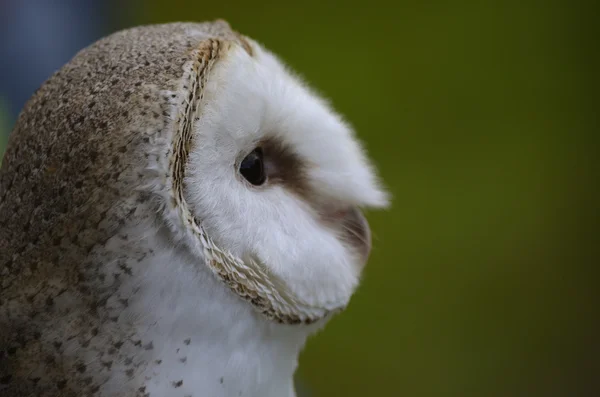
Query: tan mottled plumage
[68, 182]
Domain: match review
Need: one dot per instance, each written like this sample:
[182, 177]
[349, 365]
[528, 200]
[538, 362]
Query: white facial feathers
[298, 226]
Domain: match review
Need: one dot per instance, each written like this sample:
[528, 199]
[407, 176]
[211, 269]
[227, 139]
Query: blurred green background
[481, 117]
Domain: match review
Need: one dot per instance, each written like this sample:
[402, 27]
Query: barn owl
[178, 213]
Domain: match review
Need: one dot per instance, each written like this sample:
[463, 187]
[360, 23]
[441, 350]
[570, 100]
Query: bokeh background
[483, 118]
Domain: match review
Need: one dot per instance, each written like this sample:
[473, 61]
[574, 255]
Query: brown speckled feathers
[70, 178]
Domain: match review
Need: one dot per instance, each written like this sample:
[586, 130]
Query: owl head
[255, 175]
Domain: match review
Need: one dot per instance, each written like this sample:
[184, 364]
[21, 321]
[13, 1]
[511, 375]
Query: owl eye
[252, 167]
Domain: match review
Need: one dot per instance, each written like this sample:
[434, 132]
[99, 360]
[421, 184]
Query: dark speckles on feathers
[126, 269]
[70, 176]
[178, 383]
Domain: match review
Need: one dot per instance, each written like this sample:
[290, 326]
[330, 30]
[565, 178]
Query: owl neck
[193, 334]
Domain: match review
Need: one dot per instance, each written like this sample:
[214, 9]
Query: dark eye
[252, 167]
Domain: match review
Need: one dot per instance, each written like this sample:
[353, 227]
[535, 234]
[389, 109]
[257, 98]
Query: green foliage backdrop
[480, 116]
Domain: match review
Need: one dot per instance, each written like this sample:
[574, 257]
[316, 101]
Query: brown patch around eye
[283, 166]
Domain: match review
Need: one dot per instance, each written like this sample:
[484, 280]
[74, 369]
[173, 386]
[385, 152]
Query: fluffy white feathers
[252, 98]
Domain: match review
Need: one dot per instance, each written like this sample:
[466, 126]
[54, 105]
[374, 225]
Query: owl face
[276, 180]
